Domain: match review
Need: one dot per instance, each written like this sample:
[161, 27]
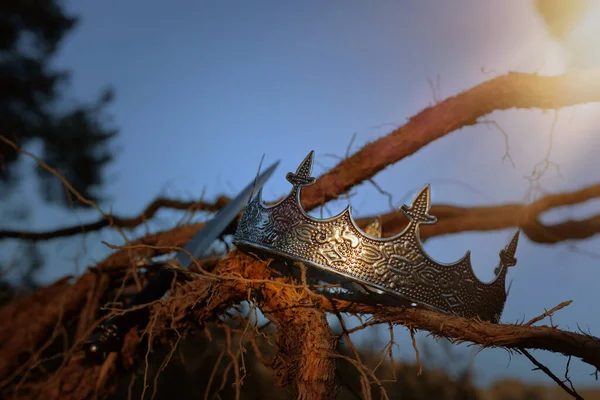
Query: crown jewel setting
[396, 265]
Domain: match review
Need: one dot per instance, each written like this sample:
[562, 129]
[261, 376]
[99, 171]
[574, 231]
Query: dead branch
[485, 334]
[123, 222]
[451, 219]
[547, 371]
[246, 272]
[549, 313]
[514, 90]
[511, 336]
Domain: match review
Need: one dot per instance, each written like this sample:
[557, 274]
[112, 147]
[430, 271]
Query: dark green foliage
[74, 141]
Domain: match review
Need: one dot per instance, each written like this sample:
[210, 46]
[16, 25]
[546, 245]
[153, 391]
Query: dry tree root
[33, 320]
[304, 340]
[190, 307]
[64, 308]
[305, 347]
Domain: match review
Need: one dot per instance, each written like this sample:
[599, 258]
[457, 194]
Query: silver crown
[397, 265]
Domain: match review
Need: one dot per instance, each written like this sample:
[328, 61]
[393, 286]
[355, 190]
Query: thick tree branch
[511, 336]
[514, 90]
[486, 334]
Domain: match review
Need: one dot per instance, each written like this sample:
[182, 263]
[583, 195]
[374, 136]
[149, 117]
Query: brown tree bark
[304, 343]
[514, 90]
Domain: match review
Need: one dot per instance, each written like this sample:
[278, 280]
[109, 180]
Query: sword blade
[199, 245]
[109, 336]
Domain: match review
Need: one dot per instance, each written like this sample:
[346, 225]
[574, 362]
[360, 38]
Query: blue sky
[205, 88]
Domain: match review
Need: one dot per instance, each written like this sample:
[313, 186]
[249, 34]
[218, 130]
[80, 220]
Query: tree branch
[451, 219]
[122, 222]
[486, 334]
[547, 371]
[514, 90]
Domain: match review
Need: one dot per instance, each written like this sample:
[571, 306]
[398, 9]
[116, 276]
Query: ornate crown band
[397, 265]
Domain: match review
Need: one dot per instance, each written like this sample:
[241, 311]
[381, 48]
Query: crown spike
[507, 256]
[374, 228]
[303, 177]
[418, 212]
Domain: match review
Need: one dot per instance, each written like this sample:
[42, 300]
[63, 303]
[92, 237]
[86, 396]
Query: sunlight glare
[583, 42]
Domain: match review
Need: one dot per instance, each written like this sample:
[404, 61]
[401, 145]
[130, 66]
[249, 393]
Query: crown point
[507, 256]
[515, 241]
[303, 177]
[467, 257]
[418, 211]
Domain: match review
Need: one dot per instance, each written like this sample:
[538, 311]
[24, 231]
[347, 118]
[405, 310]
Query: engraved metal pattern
[397, 265]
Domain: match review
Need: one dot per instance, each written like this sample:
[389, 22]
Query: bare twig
[414, 343]
[571, 391]
[505, 136]
[66, 183]
[549, 312]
